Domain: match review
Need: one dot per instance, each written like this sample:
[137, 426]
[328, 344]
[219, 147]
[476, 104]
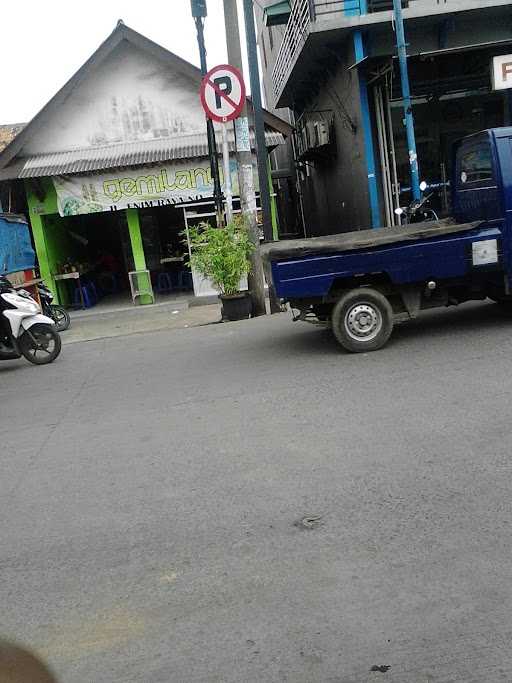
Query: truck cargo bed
[362, 239]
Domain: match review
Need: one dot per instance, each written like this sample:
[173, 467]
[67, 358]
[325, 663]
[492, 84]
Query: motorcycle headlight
[23, 293]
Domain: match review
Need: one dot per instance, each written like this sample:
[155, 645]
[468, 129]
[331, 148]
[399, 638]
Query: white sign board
[502, 72]
[485, 252]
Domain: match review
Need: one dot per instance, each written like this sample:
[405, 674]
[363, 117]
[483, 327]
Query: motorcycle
[24, 331]
[57, 313]
[419, 210]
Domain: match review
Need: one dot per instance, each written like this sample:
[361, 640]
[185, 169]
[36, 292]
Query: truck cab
[481, 167]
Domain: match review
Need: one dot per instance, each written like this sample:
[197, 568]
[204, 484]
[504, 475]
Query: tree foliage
[221, 254]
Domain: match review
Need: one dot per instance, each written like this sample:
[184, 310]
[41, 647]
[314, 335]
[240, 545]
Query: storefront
[94, 230]
[114, 168]
[452, 96]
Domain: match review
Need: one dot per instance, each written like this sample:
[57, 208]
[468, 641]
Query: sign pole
[212, 145]
[227, 174]
[261, 146]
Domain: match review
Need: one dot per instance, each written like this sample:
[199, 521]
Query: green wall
[273, 203]
[139, 259]
[53, 243]
[42, 201]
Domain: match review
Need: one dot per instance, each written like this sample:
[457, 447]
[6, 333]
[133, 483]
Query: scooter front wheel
[40, 344]
[61, 317]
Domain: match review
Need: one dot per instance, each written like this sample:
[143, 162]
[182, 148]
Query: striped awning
[121, 155]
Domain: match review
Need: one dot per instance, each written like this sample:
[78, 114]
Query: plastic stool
[77, 301]
[93, 294]
[93, 291]
[164, 285]
[185, 280]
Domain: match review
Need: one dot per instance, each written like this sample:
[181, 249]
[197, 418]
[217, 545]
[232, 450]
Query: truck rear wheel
[362, 320]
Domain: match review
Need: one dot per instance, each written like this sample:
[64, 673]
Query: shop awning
[121, 155]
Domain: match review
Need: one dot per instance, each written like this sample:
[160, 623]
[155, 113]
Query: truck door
[475, 183]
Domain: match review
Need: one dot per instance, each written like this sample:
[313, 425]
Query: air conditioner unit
[321, 133]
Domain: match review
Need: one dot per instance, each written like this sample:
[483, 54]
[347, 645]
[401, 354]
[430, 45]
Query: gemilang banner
[139, 188]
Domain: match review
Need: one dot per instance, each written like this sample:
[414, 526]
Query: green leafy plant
[221, 254]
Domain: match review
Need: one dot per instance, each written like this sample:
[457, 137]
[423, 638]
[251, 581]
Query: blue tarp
[16, 252]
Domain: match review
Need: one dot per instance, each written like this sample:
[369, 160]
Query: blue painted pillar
[367, 133]
[354, 7]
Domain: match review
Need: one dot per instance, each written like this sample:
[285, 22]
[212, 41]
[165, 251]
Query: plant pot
[236, 306]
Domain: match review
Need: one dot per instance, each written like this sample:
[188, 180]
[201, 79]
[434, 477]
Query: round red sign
[223, 93]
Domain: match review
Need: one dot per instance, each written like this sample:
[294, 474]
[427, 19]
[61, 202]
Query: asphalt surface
[154, 488]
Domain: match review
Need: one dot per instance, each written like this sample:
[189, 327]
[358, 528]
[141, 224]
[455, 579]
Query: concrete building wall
[283, 157]
[132, 97]
[336, 191]
[438, 33]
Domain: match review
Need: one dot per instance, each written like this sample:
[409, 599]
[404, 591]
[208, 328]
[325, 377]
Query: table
[72, 276]
[28, 283]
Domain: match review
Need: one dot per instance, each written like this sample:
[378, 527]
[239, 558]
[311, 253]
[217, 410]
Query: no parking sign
[223, 93]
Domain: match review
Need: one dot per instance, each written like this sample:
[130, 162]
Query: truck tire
[362, 320]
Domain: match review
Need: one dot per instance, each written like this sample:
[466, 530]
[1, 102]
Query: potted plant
[222, 255]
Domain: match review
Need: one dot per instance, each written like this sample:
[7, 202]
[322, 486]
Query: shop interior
[97, 247]
[165, 249]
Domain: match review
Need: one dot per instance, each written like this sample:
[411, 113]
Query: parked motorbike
[419, 210]
[57, 313]
[24, 331]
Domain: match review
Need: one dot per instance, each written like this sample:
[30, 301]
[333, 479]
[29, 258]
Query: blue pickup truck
[361, 283]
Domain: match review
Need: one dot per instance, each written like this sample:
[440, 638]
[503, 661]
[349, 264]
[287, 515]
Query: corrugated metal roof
[121, 155]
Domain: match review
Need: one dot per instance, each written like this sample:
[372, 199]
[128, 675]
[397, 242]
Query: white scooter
[24, 331]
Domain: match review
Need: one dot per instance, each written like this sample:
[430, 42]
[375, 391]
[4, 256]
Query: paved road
[151, 484]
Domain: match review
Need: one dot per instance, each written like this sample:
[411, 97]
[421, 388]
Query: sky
[44, 42]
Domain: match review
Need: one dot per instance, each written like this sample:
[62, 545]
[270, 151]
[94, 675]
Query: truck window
[476, 164]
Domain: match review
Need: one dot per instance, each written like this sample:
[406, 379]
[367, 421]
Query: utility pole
[245, 167]
[261, 145]
[401, 47]
[259, 126]
[199, 13]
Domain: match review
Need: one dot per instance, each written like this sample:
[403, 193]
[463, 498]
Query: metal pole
[227, 174]
[261, 145]
[384, 161]
[210, 132]
[245, 166]
[396, 188]
[406, 97]
[259, 126]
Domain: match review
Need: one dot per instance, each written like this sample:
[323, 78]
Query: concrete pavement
[246, 502]
[99, 323]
